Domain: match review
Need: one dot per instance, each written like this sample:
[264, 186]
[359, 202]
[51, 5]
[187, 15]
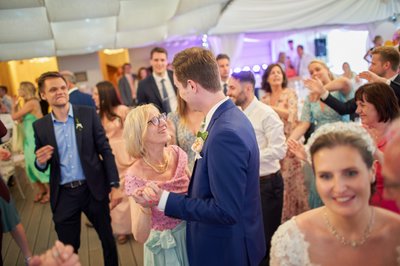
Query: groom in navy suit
[223, 206]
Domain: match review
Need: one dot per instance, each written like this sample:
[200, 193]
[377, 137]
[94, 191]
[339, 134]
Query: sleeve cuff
[41, 166]
[325, 95]
[163, 200]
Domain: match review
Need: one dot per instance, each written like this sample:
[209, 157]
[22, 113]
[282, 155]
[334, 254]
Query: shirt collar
[212, 111]
[158, 78]
[394, 77]
[251, 106]
[70, 114]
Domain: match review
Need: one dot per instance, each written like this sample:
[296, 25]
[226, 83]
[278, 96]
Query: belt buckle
[78, 183]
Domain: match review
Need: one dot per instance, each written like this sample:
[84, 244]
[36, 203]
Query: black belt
[74, 184]
[270, 175]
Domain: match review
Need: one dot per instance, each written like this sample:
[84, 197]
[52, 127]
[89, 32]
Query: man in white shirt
[302, 61]
[272, 144]
[158, 88]
[224, 68]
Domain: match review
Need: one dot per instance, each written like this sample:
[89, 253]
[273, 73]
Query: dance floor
[39, 227]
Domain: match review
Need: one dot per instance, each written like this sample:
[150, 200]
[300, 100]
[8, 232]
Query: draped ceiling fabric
[35, 28]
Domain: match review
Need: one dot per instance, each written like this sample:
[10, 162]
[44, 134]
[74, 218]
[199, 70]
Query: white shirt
[270, 137]
[170, 90]
[301, 65]
[165, 194]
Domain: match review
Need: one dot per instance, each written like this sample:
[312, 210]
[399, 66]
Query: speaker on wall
[320, 47]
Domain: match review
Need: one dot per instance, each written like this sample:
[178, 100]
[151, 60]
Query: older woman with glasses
[146, 136]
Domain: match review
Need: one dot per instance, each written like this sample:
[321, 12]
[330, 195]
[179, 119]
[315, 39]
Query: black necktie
[225, 88]
[166, 106]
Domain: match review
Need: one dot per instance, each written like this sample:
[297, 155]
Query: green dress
[29, 152]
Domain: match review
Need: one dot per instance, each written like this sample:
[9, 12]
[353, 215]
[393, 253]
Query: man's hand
[115, 197]
[371, 77]
[58, 255]
[44, 154]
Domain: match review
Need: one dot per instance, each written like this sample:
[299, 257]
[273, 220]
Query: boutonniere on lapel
[198, 144]
[78, 125]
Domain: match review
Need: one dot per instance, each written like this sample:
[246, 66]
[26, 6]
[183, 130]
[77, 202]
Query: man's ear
[192, 85]
[43, 96]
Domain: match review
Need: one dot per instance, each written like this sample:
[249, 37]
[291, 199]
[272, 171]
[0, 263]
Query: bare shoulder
[387, 221]
[310, 221]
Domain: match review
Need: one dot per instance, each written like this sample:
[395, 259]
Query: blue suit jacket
[80, 98]
[223, 207]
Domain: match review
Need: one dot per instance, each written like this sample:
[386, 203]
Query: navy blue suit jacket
[95, 153]
[80, 98]
[223, 206]
[148, 92]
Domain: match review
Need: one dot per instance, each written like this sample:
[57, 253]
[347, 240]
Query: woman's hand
[297, 149]
[315, 86]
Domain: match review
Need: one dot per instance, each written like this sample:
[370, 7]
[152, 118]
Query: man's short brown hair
[48, 75]
[388, 54]
[199, 65]
[160, 50]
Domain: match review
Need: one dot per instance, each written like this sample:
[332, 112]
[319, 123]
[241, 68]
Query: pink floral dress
[166, 244]
[294, 195]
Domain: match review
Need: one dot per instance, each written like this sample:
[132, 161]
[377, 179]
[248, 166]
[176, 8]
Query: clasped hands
[147, 196]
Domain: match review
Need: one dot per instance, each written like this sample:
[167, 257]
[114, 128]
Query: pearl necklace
[161, 168]
[342, 239]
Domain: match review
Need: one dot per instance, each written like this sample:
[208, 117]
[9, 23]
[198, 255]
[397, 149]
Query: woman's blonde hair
[29, 89]
[322, 63]
[135, 128]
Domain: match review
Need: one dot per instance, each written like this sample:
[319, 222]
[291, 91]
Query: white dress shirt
[270, 136]
[170, 90]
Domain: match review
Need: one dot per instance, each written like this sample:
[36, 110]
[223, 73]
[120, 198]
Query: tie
[225, 88]
[165, 100]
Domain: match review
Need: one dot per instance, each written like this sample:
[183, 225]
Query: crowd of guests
[202, 172]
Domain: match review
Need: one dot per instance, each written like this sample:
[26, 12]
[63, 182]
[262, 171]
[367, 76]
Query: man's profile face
[236, 92]
[224, 68]
[55, 92]
[377, 66]
[159, 63]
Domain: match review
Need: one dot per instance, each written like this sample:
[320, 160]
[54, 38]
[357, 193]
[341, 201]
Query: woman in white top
[347, 230]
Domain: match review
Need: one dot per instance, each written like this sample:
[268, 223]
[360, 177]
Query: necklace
[343, 240]
[159, 168]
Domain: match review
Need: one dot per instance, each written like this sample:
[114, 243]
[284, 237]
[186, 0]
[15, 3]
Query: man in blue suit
[75, 96]
[223, 206]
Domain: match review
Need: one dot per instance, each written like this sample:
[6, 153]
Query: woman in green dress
[27, 114]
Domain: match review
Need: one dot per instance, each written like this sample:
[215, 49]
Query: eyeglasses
[157, 119]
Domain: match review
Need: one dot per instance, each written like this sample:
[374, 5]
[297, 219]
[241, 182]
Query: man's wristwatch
[114, 184]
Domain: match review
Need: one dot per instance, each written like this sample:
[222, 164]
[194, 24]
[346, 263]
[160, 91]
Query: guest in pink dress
[377, 106]
[146, 134]
[112, 114]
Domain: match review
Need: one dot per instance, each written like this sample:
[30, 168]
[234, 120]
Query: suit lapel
[52, 137]
[155, 88]
[78, 132]
[220, 110]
